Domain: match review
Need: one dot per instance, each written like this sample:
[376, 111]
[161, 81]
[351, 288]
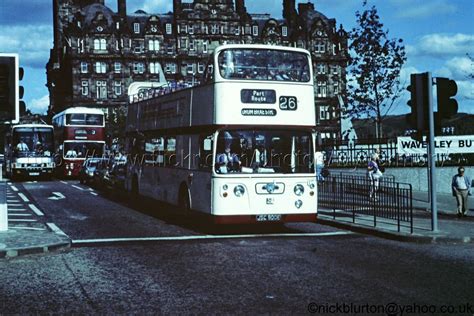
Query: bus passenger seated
[71, 153]
[260, 156]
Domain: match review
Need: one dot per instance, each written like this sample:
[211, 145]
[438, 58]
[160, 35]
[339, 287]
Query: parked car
[86, 174]
[101, 171]
[114, 178]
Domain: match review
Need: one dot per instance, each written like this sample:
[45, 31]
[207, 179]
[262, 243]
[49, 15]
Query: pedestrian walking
[319, 158]
[374, 177]
[461, 187]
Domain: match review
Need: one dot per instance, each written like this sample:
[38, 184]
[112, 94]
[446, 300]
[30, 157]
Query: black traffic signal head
[9, 87]
[419, 91]
[446, 89]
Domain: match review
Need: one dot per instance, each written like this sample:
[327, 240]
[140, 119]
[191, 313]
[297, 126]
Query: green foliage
[375, 66]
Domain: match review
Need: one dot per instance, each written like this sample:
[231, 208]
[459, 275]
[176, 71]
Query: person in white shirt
[319, 158]
[22, 146]
[461, 188]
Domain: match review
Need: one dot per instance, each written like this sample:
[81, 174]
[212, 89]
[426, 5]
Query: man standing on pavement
[461, 186]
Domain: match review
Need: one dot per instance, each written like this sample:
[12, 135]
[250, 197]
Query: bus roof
[260, 46]
[80, 110]
[31, 126]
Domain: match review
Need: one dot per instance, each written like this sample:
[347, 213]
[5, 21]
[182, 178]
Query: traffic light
[446, 89]
[21, 92]
[9, 90]
[419, 89]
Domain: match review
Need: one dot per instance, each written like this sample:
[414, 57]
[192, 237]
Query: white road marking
[15, 204]
[63, 182]
[18, 214]
[57, 196]
[93, 193]
[22, 220]
[35, 210]
[23, 197]
[14, 188]
[17, 209]
[27, 228]
[56, 229]
[79, 188]
[12, 201]
[203, 237]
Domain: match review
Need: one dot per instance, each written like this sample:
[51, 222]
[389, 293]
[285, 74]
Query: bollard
[3, 207]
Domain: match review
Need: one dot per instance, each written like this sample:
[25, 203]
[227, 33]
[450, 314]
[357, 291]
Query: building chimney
[122, 8]
[305, 7]
[240, 7]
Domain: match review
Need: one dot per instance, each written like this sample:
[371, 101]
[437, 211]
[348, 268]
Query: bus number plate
[268, 218]
[288, 103]
[34, 173]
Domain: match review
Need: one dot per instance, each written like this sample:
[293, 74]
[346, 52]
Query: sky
[438, 35]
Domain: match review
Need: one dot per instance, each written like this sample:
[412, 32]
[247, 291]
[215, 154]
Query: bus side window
[205, 152]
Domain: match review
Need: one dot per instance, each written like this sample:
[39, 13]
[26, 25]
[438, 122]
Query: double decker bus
[79, 134]
[239, 147]
[29, 151]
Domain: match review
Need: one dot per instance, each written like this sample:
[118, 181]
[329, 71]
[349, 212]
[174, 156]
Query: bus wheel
[184, 201]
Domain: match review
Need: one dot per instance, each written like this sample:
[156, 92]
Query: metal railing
[362, 196]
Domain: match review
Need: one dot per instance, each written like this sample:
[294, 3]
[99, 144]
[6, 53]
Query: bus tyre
[184, 201]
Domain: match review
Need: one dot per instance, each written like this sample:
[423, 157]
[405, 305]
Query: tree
[375, 66]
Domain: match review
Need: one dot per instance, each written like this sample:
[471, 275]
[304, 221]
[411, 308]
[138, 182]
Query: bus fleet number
[288, 103]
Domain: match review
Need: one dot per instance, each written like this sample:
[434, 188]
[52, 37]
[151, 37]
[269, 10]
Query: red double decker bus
[79, 134]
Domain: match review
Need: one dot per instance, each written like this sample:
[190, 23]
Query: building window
[204, 47]
[321, 68]
[117, 88]
[169, 28]
[335, 70]
[324, 113]
[154, 45]
[184, 29]
[117, 67]
[183, 43]
[237, 31]
[191, 45]
[200, 68]
[100, 67]
[101, 89]
[171, 68]
[84, 67]
[255, 30]
[214, 29]
[319, 47]
[85, 88]
[136, 28]
[191, 29]
[155, 67]
[138, 47]
[284, 31]
[170, 49]
[100, 44]
[190, 69]
[138, 68]
[322, 89]
[336, 88]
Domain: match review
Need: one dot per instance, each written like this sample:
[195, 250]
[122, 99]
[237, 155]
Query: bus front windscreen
[264, 64]
[28, 141]
[264, 151]
[85, 119]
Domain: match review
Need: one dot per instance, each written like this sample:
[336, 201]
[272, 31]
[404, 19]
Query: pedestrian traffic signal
[446, 89]
[9, 90]
[419, 94]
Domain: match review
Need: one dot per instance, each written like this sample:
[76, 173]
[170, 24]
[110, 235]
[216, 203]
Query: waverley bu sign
[443, 145]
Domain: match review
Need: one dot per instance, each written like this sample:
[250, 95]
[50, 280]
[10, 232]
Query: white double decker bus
[239, 147]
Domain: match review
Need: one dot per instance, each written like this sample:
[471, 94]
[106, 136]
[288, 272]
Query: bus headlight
[299, 189]
[71, 165]
[312, 184]
[225, 187]
[239, 190]
[298, 203]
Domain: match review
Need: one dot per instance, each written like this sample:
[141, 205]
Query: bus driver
[226, 161]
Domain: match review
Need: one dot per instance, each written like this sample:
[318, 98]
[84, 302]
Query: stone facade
[98, 53]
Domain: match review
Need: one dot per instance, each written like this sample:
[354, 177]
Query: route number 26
[288, 103]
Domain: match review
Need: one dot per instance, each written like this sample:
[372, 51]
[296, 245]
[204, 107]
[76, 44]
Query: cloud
[422, 8]
[31, 42]
[442, 45]
[40, 105]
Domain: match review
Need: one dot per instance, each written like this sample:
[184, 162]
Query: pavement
[41, 237]
[451, 229]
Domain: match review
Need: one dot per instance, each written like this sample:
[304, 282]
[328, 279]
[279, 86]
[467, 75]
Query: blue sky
[437, 35]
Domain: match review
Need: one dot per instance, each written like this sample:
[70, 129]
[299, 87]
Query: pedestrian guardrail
[360, 195]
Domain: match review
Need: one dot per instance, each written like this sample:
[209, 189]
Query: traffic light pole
[431, 158]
